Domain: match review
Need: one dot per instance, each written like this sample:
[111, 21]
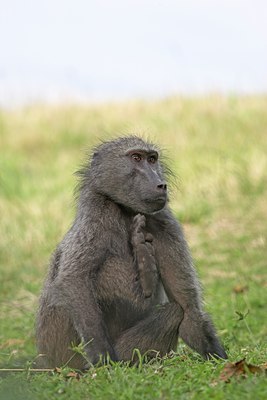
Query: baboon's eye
[152, 159]
[136, 157]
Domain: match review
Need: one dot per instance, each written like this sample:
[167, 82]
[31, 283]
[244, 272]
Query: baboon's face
[146, 187]
[132, 178]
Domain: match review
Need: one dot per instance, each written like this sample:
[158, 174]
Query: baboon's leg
[157, 333]
[55, 336]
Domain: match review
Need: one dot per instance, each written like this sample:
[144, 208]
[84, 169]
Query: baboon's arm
[176, 269]
[181, 285]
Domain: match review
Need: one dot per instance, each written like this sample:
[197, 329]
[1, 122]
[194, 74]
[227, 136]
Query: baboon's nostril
[162, 186]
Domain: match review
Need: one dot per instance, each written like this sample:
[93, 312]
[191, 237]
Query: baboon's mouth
[160, 199]
[157, 203]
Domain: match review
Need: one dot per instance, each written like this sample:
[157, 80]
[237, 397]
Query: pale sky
[86, 50]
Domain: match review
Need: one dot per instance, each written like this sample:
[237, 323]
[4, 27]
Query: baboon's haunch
[122, 278]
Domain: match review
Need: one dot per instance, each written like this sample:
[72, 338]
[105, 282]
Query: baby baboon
[122, 278]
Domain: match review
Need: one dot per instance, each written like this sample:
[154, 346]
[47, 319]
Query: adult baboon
[122, 277]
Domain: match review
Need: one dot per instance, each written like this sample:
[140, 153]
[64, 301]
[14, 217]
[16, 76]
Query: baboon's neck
[98, 207]
[96, 204]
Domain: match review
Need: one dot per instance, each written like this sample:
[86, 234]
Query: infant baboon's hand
[144, 255]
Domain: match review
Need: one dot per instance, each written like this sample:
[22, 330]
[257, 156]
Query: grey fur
[122, 277]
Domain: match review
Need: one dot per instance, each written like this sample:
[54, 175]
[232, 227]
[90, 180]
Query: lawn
[217, 148]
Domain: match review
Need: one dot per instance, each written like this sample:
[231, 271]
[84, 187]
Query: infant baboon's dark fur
[122, 278]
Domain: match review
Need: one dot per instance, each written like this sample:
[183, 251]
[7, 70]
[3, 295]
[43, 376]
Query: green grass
[217, 148]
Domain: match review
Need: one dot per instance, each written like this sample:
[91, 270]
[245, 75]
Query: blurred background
[65, 50]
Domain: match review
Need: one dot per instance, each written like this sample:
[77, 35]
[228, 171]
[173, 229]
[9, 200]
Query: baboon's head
[128, 171]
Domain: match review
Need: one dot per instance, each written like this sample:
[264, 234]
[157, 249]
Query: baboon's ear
[95, 158]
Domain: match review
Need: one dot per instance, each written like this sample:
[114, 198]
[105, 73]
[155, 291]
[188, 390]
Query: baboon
[122, 278]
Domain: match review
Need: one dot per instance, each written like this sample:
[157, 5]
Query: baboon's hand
[99, 351]
[144, 255]
[198, 332]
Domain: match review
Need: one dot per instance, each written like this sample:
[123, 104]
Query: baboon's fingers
[139, 222]
[148, 237]
[138, 239]
[147, 293]
[150, 249]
